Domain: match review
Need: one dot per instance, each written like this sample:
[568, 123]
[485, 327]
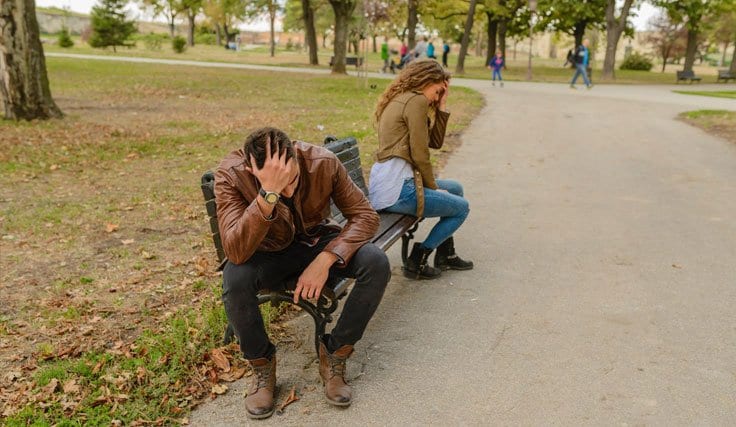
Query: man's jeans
[449, 205]
[241, 282]
[580, 70]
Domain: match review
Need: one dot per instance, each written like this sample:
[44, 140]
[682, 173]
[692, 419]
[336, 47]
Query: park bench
[687, 75]
[393, 226]
[725, 75]
[349, 60]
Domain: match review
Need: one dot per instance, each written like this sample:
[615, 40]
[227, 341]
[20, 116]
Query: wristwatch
[269, 196]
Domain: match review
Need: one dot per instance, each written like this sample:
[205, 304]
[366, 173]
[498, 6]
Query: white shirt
[386, 180]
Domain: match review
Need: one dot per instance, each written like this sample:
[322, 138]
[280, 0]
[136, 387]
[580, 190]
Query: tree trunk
[411, 23]
[218, 36]
[272, 16]
[492, 30]
[343, 9]
[579, 32]
[614, 27]
[324, 41]
[502, 38]
[479, 43]
[691, 49]
[723, 57]
[460, 69]
[732, 68]
[374, 43]
[172, 27]
[24, 84]
[190, 34]
[311, 33]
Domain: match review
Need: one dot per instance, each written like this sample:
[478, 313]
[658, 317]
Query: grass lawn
[111, 304]
[717, 94]
[544, 70]
[718, 122]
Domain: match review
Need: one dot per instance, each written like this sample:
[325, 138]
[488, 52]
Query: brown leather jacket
[403, 131]
[244, 230]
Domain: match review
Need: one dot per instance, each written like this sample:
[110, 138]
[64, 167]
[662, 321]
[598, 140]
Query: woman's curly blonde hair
[416, 76]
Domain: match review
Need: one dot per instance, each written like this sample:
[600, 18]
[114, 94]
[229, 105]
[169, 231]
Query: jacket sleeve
[437, 134]
[363, 221]
[242, 225]
[415, 115]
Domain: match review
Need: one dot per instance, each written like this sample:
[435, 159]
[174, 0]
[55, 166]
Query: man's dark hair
[255, 144]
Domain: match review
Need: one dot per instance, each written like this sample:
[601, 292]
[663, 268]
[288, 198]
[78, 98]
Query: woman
[411, 118]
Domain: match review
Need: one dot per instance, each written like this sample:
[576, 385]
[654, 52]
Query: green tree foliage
[64, 39]
[572, 17]
[223, 15]
[110, 25]
[696, 15]
[169, 9]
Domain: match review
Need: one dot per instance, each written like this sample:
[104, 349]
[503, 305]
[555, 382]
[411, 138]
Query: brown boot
[332, 371]
[259, 402]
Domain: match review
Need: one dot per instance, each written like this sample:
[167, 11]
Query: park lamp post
[532, 8]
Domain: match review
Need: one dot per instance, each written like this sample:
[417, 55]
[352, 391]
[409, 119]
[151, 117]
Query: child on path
[496, 64]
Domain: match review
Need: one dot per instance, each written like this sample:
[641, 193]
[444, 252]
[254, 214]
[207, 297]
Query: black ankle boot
[447, 259]
[417, 265]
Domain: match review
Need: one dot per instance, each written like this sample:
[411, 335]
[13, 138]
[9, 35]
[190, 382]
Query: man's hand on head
[313, 278]
[275, 172]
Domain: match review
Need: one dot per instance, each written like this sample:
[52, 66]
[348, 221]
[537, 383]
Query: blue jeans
[497, 73]
[580, 70]
[449, 206]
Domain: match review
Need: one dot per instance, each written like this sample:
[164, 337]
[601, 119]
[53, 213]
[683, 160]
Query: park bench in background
[350, 60]
[393, 226]
[687, 75]
[725, 75]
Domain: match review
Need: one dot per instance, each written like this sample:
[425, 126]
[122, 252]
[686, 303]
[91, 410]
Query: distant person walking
[445, 53]
[420, 50]
[385, 55]
[497, 62]
[430, 51]
[404, 49]
[582, 59]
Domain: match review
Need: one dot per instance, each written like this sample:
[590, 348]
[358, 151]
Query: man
[420, 50]
[582, 59]
[385, 55]
[445, 52]
[273, 201]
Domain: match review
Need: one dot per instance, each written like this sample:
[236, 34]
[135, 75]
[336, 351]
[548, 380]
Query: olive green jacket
[404, 131]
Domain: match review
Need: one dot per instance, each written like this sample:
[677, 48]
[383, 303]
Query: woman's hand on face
[443, 96]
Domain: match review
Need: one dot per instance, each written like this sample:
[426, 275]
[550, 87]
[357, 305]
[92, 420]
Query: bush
[64, 39]
[206, 38]
[154, 41]
[179, 44]
[637, 61]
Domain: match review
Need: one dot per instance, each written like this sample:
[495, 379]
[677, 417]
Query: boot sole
[336, 403]
[414, 276]
[447, 267]
[261, 416]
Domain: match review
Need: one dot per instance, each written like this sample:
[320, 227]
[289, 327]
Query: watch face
[272, 198]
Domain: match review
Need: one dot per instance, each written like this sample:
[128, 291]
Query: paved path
[604, 237]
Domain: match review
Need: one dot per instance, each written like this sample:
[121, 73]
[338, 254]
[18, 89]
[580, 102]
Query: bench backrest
[346, 151]
[685, 74]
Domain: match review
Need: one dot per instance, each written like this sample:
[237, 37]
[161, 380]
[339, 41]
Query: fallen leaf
[220, 359]
[127, 241]
[219, 389]
[289, 400]
[234, 374]
[676, 266]
[71, 387]
[111, 227]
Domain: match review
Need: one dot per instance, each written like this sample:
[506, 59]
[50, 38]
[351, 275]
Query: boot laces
[337, 366]
[262, 375]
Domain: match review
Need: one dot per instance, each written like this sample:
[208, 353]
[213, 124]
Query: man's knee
[453, 187]
[374, 262]
[239, 279]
